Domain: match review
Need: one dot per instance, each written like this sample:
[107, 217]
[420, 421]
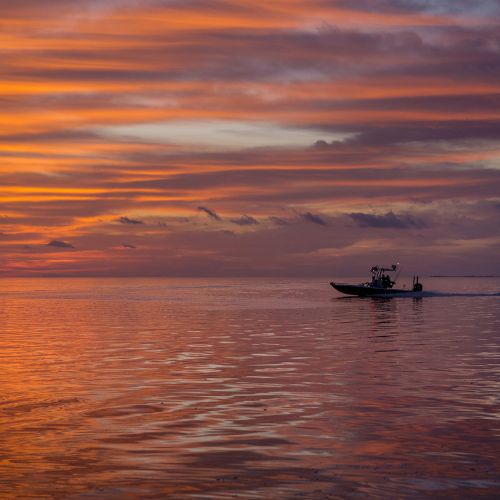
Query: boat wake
[460, 294]
[419, 295]
[429, 293]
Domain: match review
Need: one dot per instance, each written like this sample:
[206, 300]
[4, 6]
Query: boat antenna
[399, 268]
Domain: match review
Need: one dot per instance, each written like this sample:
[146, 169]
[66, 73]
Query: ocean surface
[247, 388]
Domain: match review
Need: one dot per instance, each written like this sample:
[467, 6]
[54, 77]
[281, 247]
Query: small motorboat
[382, 283]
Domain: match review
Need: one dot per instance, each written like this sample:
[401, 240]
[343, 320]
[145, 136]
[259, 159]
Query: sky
[249, 137]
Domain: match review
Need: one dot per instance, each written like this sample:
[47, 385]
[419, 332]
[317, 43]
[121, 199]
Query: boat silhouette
[382, 283]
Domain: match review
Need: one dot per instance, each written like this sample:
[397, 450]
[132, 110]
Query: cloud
[418, 131]
[59, 244]
[388, 220]
[278, 221]
[314, 219]
[126, 245]
[244, 220]
[126, 220]
[50, 136]
[217, 134]
[211, 213]
[402, 96]
[482, 7]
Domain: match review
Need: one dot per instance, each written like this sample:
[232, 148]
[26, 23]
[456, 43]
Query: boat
[381, 284]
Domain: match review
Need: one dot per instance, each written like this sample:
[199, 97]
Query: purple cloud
[59, 244]
[211, 213]
[278, 221]
[388, 220]
[245, 220]
[126, 220]
[314, 219]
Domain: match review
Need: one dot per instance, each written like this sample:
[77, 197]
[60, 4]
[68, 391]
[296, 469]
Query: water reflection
[126, 389]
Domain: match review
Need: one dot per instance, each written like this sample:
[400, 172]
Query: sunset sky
[249, 137]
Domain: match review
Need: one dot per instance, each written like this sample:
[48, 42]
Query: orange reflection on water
[120, 388]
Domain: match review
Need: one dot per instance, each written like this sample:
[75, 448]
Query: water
[158, 388]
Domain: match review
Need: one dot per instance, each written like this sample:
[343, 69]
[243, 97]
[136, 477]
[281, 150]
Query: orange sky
[225, 137]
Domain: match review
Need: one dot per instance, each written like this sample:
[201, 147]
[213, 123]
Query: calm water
[157, 388]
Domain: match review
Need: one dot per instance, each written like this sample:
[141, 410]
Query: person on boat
[386, 281]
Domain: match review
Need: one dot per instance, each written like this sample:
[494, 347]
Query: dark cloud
[315, 219]
[89, 8]
[459, 104]
[466, 188]
[337, 180]
[280, 54]
[59, 244]
[93, 8]
[126, 220]
[423, 131]
[388, 220]
[246, 177]
[257, 54]
[381, 6]
[244, 220]
[465, 7]
[481, 7]
[211, 213]
[278, 221]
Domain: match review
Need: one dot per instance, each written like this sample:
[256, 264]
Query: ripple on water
[165, 388]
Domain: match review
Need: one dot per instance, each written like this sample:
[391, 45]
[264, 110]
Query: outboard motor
[417, 287]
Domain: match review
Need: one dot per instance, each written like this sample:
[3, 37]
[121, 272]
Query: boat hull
[368, 291]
